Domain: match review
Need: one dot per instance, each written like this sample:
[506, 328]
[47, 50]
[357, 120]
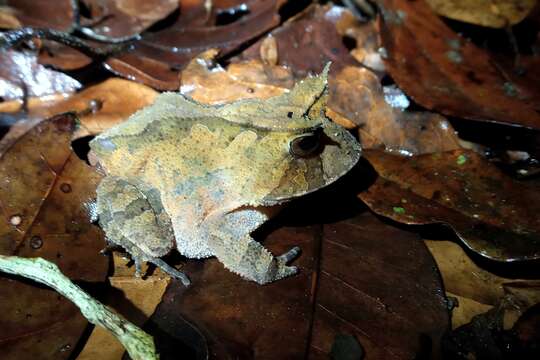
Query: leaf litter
[43, 201]
[367, 284]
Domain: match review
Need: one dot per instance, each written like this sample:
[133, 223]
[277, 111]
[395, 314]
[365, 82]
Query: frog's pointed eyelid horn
[271, 113]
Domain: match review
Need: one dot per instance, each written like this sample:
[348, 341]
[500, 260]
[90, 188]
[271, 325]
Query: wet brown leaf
[444, 72]
[98, 107]
[56, 15]
[209, 83]
[121, 18]
[158, 57]
[102, 106]
[494, 215]
[21, 73]
[356, 96]
[43, 201]
[492, 13]
[177, 45]
[352, 281]
[308, 41]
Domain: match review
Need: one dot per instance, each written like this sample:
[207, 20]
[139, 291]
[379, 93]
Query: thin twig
[15, 37]
[137, 343]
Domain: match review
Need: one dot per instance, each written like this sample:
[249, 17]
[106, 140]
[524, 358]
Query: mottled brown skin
[202, 178]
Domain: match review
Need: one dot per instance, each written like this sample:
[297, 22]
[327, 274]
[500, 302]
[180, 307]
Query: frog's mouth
[338, 152]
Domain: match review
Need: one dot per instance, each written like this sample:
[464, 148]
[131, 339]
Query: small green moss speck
[399, 210]
[454, 56]
[510, 89]
[462, 159]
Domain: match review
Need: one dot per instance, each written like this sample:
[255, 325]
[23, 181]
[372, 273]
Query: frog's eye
[305, 145]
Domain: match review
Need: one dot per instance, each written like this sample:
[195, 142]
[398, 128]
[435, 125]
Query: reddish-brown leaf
[57, 15]
[444, 72]
[44, 198]
[493, 214]
[122, 18]
[356, 96]
[358, 277]
[208, 83]
[101, 106]
[158, 57]
[308, 41]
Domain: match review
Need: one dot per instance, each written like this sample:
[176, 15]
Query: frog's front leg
[136, 221]
[233, 246]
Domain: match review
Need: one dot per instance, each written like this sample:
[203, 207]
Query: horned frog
[201, 179]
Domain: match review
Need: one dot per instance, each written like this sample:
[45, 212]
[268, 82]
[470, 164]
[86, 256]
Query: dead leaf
[8, 19]
[364, 288]
[485, 337]
[209, 83]
[465, 309]
[446, 73]
[56, 15]
[494, 215]
[269, 51]
[124, 18]
[159, 55]
[492, 13]
[363, 40]
[102, 106]
[20, 74]
[357, 96]
[132, 297]
[527, 327]
[456, 268]
[308, 41]
[99, 107]
[43, 201]
[476, 288]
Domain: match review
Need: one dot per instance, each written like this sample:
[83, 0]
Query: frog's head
[304, 150]
[316, 158]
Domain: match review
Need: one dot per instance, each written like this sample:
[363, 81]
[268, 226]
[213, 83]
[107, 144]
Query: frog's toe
[138, 267]
[109, 248]
[289, 255]
[286, 271]
[171, 271]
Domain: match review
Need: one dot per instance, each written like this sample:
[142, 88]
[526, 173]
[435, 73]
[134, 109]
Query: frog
[200, 178]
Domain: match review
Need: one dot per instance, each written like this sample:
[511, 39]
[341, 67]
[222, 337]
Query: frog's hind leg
[136, 221]
[249, 259]
[231, 243]
[138, 257]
